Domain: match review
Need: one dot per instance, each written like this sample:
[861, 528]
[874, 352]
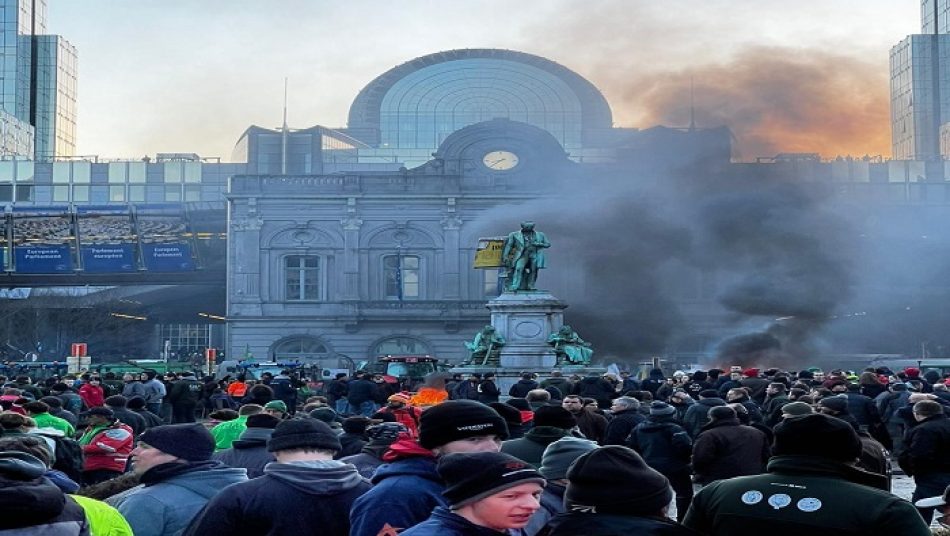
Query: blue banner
[108, 258]
[175, 257]
[43, 259]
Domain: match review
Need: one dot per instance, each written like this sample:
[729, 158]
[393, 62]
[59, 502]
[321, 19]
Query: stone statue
[523, 256]
[485, 346]
[570, 348]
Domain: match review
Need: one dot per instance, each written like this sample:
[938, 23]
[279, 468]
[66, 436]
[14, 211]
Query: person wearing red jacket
[398, 406]
[92, 394]
[106, 445]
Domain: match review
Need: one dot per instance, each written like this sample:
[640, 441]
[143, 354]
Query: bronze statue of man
[523, 256]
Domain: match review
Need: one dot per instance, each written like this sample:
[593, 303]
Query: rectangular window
[192, 192]
[173, 171]
[80, 194]
[117, 193]
[137, 171]
[136, 192]
[118, 171]
[402, 276]
[173, 192]
[61, 194]
[24, 192]
[302, 277]
[6, 193]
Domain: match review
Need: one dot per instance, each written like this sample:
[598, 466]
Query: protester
[408, 488]
[551, 423]
[92, 393]
[106, 445]
[353, 437]
[698, 414]
[184, 396]
[225, 433]
[601, 501]
[666, 447]
[56, 409]
[557, 380]
[302, 492]
[487, 390]
[31, 503]
[555, 462]
[926, 455]
[501, 496]
[727, 449]
[285, 390]
[811, 487]
[625, 412]
[249, 451]
[592, 425]
[398, 406]
[154, 392]
[132, 419]
[179, 477]
[137, 405]
[39, 412]
[522, 387]
[361, 395]
[381, 436]
[132, 386]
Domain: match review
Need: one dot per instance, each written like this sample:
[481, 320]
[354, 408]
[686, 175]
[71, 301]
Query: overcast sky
[191, 75]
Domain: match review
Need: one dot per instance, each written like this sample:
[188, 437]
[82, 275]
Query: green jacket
[104, 520]
[226, 432]
[45, 420]
[803, 495]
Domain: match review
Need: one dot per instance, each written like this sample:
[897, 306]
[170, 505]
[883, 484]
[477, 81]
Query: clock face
[500, 160]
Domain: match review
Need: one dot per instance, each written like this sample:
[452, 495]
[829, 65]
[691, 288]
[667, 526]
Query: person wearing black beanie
[811, 487]
[611, 490]
[550, 424]
[250, 450]
[409, 487]
[305, 491]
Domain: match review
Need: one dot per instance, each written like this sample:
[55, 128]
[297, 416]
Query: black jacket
[360, 391]
[621, 425]
[663, 444]
[249, 452]
[863, 409]
[291, 498]
[597, 388]
[927, 447]
[31, 504]
[488, 392]
[573, 523]
[531, 447]
[150, 418]
[727, 449]
[135, 421]
[185, 392]
[521, 388]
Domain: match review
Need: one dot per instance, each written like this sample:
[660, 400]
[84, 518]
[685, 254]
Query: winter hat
[616, 480]
[458, 419]
[661, 408]
[719, 413]
[559, 456]
[326, 415]
[52, 401]
[116, 401]
[303, 434]
[751, 373]
[136, 402]
[555, 416]
[519, 404]
[511, 415]
[102, 412]
[495, 472]
[709, 393]
[797, 409]
[398, 397]
[192, 442]
[912, 372]
[386, 431]
[59, 387]
[262, 420]
[279, 405]
[355, 425]
[835, 403]
[817, 435]
[700, 376]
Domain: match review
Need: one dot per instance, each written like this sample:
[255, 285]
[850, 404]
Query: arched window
[302, 348]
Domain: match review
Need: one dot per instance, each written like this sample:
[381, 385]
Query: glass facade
[920, 95]
[55, 97]
[426, 106]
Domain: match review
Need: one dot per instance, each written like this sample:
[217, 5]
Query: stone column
[351, 243]
[450, 281]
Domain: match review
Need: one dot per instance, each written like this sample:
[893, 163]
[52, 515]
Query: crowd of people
[769, 451]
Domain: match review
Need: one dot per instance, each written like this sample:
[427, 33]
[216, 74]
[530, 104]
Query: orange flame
[429, 396]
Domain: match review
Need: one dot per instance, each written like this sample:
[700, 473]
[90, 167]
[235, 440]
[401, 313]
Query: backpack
[69, 457]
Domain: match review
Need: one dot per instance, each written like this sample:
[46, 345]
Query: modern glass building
[920, 95]
[37, 83]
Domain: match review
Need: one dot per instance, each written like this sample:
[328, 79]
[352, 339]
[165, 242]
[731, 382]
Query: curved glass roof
[418, 104]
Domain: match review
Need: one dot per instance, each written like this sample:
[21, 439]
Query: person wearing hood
[179, 479]
[304, 491]
[551, 423]
[31, 503]
[698, 414]
[381, 436]
[666, 447]
[811, 487]
[250, 450]
[408, 487]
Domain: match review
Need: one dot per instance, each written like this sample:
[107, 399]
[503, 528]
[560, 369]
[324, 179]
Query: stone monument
[527, 322]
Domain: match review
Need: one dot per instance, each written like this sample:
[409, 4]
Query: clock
[500, 160]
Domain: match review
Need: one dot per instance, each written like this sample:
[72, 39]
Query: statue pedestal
[525, 319]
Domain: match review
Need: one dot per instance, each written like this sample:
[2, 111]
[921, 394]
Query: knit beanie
[386, 431]
[102, 412]
[555, 416]
[458, 419]
[511, 415]
[836, 403]
[279, 405]
[797, 409]
[326, 415]
[661, 408]
[817, 435]
[616, 480]
[192, 442]
[116, 401]
[559, 456]
[303, 434]
[136, 402]
[262, 420]
[470, 477]
[519, 404]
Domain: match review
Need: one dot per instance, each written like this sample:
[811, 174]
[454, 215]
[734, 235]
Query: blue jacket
[442, 522]
[165, 507]
[404, 495]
